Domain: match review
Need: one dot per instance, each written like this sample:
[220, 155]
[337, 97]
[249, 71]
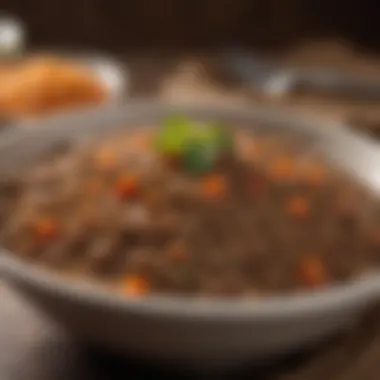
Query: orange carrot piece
[214, 187]
[46, 228]
[135, 285]
[127, 186]
[312, 271]
[298, 206]
[283, 168]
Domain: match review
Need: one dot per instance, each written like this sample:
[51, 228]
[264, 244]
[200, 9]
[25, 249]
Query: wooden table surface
[32, 349]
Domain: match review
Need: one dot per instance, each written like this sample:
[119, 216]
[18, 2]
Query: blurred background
[337, 34]
[137, 24]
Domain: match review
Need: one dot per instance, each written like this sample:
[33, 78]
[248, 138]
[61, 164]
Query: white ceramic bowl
[197, 332]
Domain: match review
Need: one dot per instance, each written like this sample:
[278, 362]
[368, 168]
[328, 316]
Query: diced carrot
[298, 206]
[46, 228]
[135, 285]
[283, 168]
[312, 271]
[214, 187]
[127, 186]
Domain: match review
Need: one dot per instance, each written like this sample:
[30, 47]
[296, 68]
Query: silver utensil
[271, 78]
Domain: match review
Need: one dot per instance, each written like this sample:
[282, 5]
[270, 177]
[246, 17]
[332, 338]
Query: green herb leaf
[198, 146]
[173, 135]
[199, 156]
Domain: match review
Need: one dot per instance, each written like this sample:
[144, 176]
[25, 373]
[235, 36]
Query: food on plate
[43, 85]
[195, 208]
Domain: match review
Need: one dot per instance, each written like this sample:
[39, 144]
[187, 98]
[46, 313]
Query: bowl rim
[273, 307]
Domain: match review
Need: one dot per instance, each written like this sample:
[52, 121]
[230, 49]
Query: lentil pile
[195, 209]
